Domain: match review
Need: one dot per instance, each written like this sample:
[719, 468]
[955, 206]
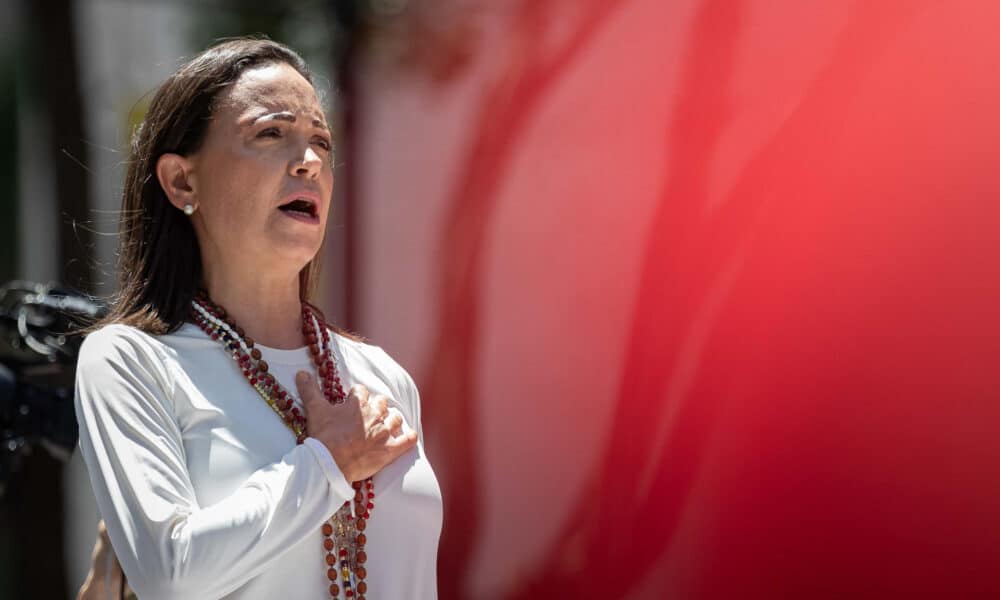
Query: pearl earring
[189, 209]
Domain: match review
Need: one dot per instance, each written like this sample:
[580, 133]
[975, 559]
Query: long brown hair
[159, 261]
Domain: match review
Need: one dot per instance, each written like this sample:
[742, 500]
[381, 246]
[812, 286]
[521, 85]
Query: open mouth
[300, 207]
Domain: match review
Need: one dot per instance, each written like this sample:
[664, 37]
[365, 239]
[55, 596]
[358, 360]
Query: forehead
[269, 88]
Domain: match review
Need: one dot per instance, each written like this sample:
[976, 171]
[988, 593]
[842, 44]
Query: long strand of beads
[344, 531]
[249, 361]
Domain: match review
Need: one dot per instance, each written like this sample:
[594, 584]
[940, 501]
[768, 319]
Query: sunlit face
[263, 176]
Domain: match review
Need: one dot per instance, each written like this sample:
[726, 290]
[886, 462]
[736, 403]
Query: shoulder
[118, 348]
[377, 359]
[125, 382]
[116, 340]
[385, 367]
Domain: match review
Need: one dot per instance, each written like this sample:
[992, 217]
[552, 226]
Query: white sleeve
[168, 545]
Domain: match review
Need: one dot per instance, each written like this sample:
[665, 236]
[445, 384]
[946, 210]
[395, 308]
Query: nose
[308, 164]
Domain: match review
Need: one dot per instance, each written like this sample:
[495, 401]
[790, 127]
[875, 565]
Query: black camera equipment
[38, 348]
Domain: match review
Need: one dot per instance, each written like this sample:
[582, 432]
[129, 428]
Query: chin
[295, 254]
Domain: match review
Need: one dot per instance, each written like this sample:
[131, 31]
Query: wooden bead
[362, 539]
[361, 525]
[361, 572]
[334, 589]
[362, 557]
[362, 587]
[332, 574]
[331, 559]
[328, 544]
[254, 353]
[327, 529]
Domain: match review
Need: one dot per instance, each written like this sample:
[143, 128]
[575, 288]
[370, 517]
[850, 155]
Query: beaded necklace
[343, 534]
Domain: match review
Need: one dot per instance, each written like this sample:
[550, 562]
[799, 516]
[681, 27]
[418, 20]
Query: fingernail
[302, 377]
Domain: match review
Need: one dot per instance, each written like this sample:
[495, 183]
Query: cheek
[236, 188]
[326, 182]
[226, 205]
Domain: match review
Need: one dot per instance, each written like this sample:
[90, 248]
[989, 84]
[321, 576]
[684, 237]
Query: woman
[237, 444]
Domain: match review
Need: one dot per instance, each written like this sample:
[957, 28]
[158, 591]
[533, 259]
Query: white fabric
[204, 491]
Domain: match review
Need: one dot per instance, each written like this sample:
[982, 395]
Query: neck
[267, 308]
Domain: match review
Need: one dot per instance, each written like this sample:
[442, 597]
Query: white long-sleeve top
[206, 494]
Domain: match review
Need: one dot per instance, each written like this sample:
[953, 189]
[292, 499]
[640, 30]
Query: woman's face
[263, 177]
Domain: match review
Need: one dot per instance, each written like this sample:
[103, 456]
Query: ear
[175, 176]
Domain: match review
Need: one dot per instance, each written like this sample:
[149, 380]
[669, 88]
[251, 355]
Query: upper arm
[129, 438]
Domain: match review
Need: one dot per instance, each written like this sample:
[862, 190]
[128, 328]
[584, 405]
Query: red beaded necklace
[343, 533]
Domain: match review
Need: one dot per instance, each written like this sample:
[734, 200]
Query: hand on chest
[230, 431]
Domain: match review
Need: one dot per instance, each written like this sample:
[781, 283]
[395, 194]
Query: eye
[323, 143]
[270, 132]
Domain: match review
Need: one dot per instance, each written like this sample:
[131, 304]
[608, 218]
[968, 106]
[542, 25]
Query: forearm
[191, 552]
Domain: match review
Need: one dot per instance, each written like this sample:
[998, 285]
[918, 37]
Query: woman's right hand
[361, 434]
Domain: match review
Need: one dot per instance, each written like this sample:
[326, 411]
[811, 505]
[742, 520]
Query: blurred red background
[707, 297]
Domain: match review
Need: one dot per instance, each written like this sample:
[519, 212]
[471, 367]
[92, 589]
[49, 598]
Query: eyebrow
[284, 116]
